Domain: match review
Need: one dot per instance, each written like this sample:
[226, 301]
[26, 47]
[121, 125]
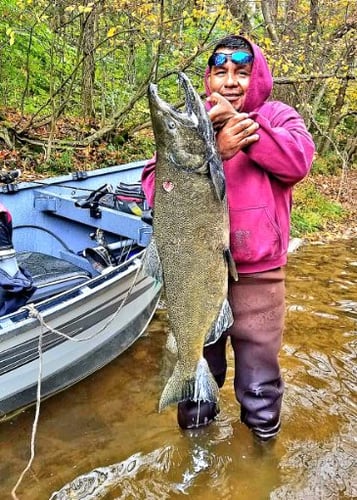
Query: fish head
[185, 138]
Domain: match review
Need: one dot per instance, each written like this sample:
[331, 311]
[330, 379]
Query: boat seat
[51, 275]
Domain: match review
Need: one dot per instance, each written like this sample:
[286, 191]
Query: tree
[89, 63]
[87, 42]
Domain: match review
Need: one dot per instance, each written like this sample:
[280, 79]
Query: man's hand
[236, 134]
[221, 111]
[235, 130]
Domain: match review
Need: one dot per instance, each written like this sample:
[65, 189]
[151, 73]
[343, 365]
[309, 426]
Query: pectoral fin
[218, 179]
[231, 264]
[222, 323]
[151, 262]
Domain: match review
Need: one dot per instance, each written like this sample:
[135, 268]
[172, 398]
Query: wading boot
[191, 415]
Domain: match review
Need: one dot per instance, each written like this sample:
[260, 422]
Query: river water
[103, 438]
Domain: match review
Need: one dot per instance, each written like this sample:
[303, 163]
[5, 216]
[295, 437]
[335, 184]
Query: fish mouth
[170, 123]
[193, 115]
[190, 95]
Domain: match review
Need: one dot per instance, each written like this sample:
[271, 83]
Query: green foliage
[328, 164]
[17, 41]
[312, 211]
[60, 163]
[136, 148]
[42, 51]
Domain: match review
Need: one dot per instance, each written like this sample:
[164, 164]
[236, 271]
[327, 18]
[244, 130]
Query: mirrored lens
[241, 57]
[218, 59]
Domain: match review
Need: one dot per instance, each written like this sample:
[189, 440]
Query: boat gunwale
[66, 178]
[61, 300]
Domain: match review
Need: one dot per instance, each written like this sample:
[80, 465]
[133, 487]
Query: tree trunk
[268, 14]
[87, 46]
[242, 10]
[291, 9]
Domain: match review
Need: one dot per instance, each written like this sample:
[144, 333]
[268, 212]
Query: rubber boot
[191, 415]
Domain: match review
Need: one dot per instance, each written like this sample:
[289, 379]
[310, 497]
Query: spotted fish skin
[189, 248]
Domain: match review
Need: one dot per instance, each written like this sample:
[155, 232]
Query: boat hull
[102, 320]
[61, 337]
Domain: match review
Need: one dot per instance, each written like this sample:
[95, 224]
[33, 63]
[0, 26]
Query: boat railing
[106, 219]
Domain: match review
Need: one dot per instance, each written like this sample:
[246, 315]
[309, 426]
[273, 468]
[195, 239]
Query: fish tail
[197, 386]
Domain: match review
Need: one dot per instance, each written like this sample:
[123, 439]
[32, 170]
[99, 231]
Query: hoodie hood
[261, 81]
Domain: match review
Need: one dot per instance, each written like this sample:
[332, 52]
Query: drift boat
[81, 237]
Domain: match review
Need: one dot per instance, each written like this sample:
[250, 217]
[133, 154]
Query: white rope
[36, 314]
[36, 419]
[33, 312]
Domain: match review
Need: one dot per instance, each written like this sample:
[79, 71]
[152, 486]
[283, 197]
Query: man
[266, 149]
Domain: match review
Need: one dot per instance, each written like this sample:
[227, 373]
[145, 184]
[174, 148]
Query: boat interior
[75, 230]
[51, 275]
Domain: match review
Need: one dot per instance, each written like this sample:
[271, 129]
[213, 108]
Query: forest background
[74, 77]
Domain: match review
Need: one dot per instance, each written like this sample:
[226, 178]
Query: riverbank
[337, 189]
[343, 190]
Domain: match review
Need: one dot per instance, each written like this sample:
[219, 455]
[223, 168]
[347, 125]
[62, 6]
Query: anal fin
[223, 322]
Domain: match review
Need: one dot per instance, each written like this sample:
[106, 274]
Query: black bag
[128, 198]
[15, 291]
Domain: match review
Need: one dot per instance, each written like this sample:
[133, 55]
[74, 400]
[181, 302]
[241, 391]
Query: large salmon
[189, 249]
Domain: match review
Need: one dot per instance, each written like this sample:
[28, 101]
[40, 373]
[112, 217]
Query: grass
[312, 211]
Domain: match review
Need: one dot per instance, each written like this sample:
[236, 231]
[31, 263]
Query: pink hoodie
[259, 180]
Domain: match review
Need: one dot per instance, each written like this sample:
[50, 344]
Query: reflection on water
[123, 476]
[104, 438]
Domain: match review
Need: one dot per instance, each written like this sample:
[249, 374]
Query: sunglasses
[218, 59]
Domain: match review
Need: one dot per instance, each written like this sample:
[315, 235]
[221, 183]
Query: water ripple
[98, 482]
[325, 472]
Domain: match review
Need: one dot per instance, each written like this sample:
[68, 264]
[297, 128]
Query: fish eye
[172, 125]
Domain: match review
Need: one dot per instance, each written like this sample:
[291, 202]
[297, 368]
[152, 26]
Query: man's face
[230, 79]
